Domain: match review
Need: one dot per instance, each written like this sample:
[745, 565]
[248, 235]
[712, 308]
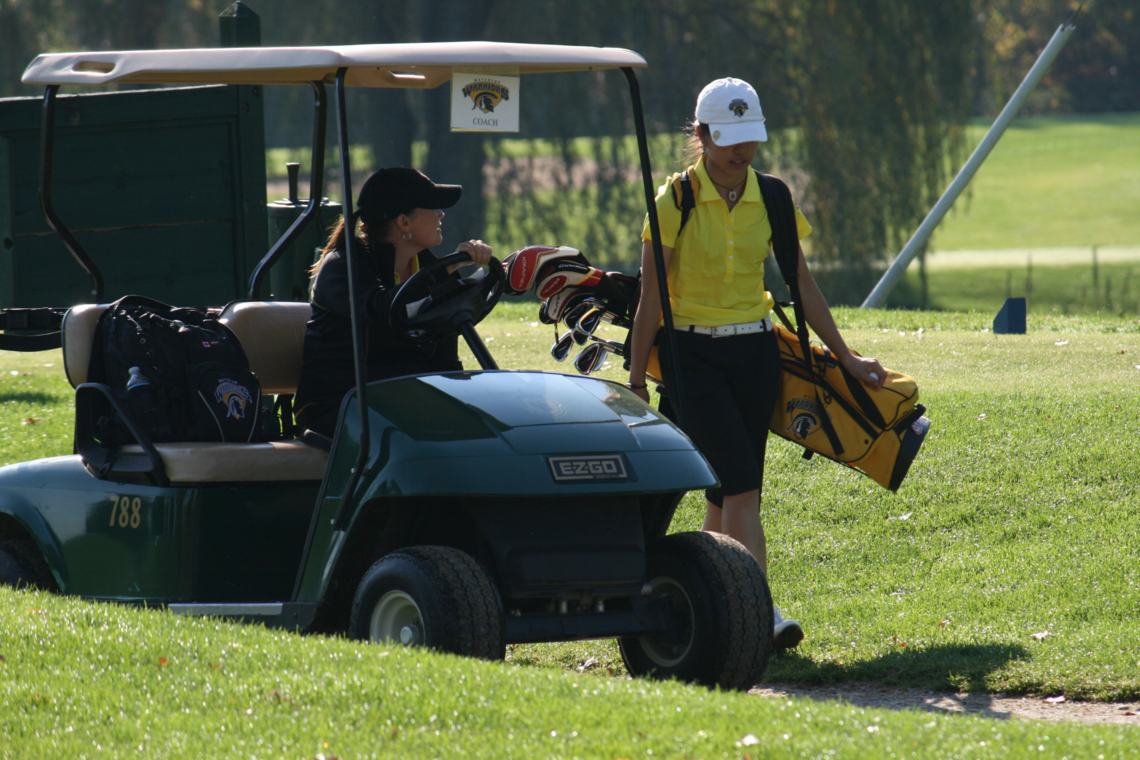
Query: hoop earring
[406, 236]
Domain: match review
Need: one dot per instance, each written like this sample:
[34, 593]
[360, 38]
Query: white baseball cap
[731, 108]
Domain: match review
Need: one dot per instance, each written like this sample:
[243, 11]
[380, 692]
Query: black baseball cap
[398, 190]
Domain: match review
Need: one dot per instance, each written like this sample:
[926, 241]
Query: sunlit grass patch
[1007, 562]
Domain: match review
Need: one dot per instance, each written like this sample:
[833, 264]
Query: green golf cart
[460, 511]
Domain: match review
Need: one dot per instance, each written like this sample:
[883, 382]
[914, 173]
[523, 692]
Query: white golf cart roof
[411, 65]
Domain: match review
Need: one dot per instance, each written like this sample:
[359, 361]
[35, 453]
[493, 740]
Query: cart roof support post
[316, 191]
[658, 255]
[360, 358]
[47, 165]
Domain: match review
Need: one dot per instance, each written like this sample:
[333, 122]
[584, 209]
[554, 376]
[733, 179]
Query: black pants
[730, 387]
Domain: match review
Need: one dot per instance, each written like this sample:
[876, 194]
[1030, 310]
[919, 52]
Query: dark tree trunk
[455, 158]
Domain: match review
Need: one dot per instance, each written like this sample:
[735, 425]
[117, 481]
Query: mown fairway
[1007, 562]
[1053, 189]
[1051, 181]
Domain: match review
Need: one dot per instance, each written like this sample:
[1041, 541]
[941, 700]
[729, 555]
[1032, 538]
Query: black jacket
[328, 372]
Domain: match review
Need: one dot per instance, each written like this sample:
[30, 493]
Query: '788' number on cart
[127, 511]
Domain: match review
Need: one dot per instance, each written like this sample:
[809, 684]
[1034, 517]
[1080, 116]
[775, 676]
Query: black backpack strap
[687, 202]
[785, 236]
[786, 245]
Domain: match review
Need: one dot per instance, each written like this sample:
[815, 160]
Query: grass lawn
[83, 680]
[1112, 288]
[1009, 561]
[1051, 181]
[1053, 189]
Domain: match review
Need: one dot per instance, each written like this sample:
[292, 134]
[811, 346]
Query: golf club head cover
[521, 267]
[554, 276]
[553, 308]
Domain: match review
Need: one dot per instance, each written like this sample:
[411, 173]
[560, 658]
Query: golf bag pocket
[823, 408]
[225, 403]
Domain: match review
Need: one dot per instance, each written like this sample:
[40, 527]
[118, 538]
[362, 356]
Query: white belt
[723, 331]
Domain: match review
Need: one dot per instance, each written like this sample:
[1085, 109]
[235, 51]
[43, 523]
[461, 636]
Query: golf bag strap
[786, 245]
[778, 308]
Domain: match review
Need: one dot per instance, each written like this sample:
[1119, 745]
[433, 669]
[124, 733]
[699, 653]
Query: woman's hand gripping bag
[829, 412]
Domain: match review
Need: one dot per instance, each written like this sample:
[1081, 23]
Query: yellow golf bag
[829, 412]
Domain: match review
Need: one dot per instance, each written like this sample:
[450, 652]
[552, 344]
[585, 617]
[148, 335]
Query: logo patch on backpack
[235, 396]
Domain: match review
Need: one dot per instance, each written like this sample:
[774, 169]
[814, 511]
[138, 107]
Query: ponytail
[694, 148]
[336, 241]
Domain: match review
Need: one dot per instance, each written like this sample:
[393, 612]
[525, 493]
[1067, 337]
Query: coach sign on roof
[484, 102]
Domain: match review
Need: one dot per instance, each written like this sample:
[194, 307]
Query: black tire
[720, 600]
[22, 566]
[432, 596]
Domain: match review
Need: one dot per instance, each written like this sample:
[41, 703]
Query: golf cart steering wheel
[440, 309]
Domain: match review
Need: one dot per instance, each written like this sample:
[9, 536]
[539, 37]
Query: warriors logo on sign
[486, 95]
[482, 102]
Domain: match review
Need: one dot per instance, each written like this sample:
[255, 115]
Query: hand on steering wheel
[434, 303]
[479, 252]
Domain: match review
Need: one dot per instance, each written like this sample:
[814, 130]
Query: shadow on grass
[949, 667]
[28, 397]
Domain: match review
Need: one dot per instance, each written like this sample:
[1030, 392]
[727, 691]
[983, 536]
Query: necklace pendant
[732, 195]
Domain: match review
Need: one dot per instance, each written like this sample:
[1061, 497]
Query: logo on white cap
[731, 107]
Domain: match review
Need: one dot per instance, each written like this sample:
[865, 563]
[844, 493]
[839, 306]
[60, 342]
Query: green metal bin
[289, 278]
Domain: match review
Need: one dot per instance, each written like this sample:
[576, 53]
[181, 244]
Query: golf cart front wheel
[718, 613]
[431, 596]
[22, 566]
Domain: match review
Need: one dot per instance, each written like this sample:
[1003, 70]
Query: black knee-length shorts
[730, 385]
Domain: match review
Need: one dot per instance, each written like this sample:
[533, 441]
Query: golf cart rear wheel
[719, 612]
[22, 566]
[432, 596]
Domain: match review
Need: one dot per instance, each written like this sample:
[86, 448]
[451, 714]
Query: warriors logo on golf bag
[235, 396]
[806, 420]
[486, 95]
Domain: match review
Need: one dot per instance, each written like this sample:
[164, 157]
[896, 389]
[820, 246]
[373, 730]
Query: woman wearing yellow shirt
[729, 360]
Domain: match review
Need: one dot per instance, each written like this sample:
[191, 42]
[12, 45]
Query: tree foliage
[865, 99]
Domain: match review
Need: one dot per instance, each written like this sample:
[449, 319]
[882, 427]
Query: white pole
[922, 234]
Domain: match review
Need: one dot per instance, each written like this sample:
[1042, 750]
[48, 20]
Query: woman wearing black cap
[401, 213]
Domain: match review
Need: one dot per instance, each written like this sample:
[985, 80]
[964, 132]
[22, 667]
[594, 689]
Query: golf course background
[1009, 561]
[1052, 215]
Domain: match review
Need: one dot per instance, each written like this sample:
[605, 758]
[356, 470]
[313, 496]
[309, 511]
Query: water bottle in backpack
[142, 402]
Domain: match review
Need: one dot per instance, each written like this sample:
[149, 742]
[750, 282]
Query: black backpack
[180, 374]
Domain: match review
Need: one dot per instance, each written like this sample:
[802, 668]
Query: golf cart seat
[272, 334]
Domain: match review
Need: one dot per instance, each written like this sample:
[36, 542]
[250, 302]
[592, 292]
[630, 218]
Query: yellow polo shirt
[716, 276]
